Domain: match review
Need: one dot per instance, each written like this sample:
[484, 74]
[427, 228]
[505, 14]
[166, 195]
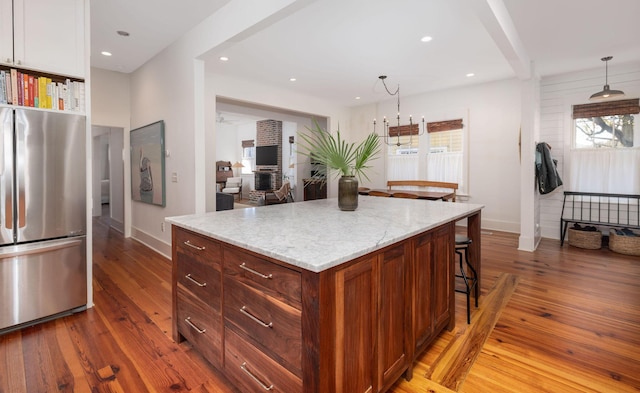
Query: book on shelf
[14, 86]
[3, 88]
[7, 79]
[23, 89]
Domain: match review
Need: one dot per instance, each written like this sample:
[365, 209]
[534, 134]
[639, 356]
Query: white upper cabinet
[6, 32]
[48, 36]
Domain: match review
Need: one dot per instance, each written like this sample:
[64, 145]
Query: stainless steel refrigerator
[43, 269]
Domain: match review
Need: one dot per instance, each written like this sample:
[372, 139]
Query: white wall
[558, 95]
[493, 111]
[226, 146]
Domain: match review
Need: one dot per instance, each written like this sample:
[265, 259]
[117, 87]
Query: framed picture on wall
[147, 164]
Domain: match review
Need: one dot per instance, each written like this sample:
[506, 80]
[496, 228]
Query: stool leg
[468, 309]
[463, 275]
[474, 279]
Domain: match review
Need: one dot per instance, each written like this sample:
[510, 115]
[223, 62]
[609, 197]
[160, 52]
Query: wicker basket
[628, 245]
[591, 240]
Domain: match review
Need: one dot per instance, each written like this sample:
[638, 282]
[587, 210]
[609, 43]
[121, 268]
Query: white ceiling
[337, 48]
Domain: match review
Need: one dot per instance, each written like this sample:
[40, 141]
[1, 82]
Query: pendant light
[606, 91]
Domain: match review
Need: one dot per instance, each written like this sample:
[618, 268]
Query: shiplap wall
[558, 95]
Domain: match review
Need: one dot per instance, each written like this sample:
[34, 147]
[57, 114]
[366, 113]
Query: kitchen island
[303, 297]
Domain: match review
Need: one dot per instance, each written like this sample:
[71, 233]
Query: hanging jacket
[546, 172]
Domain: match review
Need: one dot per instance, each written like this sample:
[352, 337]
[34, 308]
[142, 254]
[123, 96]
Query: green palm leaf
[335, 154]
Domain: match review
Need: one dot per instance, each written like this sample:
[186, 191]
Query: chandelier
[393, 138]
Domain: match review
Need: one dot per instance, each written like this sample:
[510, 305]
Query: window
[403, 140]
[403, 150]
[445, 141]
[605, 131]
[606, 125]
[606, 148]
[248, 157]
[445, 157]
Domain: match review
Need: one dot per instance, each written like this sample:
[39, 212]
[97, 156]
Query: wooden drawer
[204, 327]
[253, 371]
[271, 325]
[201, 279]
[199, 247]
[274, 280]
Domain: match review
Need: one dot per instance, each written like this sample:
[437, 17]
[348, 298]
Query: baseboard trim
[152, 242]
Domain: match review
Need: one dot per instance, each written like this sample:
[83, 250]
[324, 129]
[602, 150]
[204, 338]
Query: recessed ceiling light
[426, 38]
[224, 58]
[105, 53]
[123, 33]
[469, 75]
[292, 79]
[357, 98]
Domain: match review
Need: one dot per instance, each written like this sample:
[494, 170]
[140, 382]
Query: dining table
[422, 194]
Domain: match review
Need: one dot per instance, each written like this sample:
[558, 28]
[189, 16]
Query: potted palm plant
[333, 154]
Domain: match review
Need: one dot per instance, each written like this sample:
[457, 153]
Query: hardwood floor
[556, 320]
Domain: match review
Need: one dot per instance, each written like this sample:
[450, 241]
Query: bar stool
[470, 282]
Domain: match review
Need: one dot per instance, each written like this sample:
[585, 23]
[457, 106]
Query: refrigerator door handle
[16, 251]
[21, 208]
[21, 135]
[6, 210]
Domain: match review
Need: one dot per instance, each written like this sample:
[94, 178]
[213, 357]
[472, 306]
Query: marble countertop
[316, 235]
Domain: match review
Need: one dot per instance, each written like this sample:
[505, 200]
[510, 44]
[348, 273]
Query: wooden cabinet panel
[443, 276]
[196, 292]
[253, 371]
[268, 324]
[394, 315]
[201, 279]
[423, 276]
[274, 280]
[200, 325]
[201, 248]
[432, 286]
[356, 328]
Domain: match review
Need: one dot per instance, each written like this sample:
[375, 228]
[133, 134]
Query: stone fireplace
[267, 177]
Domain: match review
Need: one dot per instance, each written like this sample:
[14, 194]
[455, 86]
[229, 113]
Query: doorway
[108, 175]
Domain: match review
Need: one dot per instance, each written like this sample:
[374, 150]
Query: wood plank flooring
[556, 320]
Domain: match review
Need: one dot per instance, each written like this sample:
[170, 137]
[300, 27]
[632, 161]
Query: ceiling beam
[493, 14]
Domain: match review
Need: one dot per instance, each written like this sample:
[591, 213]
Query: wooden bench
[424, 183]
[601, 209]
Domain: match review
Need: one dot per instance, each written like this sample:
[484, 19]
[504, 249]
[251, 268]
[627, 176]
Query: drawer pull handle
[188, 243]
[188, 321]
[255, 319]
[247, 268]
[193, 280]
[243, 366]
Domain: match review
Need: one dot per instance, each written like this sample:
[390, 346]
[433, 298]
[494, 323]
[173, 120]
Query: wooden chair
[282, 195]
[379, 193]
[405, 195]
